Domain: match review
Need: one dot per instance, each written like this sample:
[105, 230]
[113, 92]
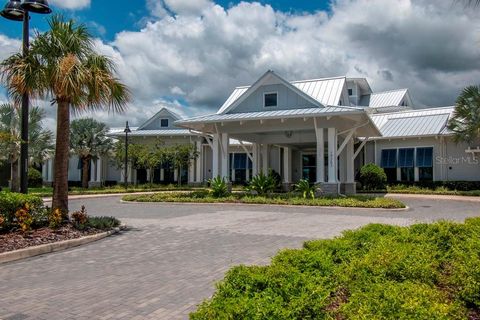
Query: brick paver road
[173, 255]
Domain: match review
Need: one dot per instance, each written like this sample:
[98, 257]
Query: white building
[323, 130]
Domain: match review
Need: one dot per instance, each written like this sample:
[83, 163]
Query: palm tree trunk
[14, 176]
[60, 184]
[85, 170]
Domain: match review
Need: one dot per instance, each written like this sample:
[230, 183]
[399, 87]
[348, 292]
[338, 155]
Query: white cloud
[71, 4]
[197, 52]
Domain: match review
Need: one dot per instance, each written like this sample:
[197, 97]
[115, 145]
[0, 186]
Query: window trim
[168, 123]
[271, 92]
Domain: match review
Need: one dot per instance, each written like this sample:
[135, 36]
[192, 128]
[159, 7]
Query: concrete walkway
[171, 259]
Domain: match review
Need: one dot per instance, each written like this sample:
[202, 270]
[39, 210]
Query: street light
[17, 10]
[127, 131]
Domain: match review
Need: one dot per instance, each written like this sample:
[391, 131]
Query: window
[270, 99]
[425, 164]
[350, 92]
[406, 164]
[164, 123]
[389, 163]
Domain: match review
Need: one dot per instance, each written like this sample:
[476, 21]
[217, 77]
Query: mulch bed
[18, 240]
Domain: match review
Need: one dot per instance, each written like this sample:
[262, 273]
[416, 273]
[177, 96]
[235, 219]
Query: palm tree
[62, 65]
[88, 140]
[41, 140]
[465, 122]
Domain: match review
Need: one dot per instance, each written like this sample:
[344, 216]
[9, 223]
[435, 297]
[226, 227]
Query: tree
[62, 64]
[41, 140]
[181, 156]
[151, 157]
[465, 122]
[88, 140]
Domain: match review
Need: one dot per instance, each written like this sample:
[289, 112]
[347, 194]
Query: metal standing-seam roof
[327, 91]
[384, 99]
[422, 122]
[289, 113]
[153, 133]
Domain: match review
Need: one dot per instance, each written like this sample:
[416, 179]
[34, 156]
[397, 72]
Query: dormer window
[350, 92]
[270, 99]
[164, 123]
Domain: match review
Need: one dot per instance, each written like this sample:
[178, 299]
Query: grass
[280, 199]
[425, 271]
[48, 191]
[423, 190]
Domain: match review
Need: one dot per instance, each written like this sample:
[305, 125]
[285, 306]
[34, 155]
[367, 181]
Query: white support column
[198, 163]
[98, 167]
[45, 170]
[350, 151]
[265, 152]
[233, 167]
[175, 174]
[287, 165]
[191, 172]
[92, 171]
[162, 175]
[50, 170]
[149, 172]
[320, 153]
[215, 156]
[332, 155]
[255, 155]
[130, 174]
[224, 140]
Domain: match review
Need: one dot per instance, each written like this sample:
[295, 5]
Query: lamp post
[17, 10]
[127, 131]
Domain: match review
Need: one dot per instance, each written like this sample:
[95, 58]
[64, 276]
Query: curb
[29, 252]
[407, 208]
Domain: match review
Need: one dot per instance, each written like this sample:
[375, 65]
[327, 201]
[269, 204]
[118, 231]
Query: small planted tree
[373, 177]
[263, 184]
[182, 156]
[151, 157]
[88, 140]
[304, 187]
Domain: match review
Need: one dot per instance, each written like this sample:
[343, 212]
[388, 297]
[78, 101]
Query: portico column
[175, 174]
[215, 156]
[92, 171]
[224, 140]
[162, 174]
[50, 170]
[45, 170]
[332, 155]
[320, 155]
[191, 171]
[255, 157]
[198, 161]
[350, 149]
[287, 166]
[99, 170]
[233, 167]
[265, 152]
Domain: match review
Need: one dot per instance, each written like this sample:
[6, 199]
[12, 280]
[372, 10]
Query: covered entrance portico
[312, 143]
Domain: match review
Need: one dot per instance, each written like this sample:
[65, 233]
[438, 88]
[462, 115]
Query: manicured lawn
[423, 190]
[282, 199]
[48, 191]
[426, 271]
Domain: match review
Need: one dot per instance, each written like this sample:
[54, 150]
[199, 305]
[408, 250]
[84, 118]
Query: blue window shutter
[424, 157]
[389, 158]
[405, 157]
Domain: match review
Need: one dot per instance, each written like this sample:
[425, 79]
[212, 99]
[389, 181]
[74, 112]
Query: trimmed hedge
[281, 199]
[372, 177]
[426, 271]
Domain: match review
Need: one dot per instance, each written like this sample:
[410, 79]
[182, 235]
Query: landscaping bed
[279, 199]
[25, 221]
[19, 240]
[425, 271]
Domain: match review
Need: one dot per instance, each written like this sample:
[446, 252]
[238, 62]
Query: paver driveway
[174, 254]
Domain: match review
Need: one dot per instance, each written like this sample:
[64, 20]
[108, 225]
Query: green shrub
[11, 202]
[263, 183]
[373, 177]
[35, 178]
[304, 187]
[219, 187]
[103, 223]
[425, 271]
[80, 218]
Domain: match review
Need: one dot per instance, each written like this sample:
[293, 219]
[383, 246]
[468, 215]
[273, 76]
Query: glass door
[309, 167]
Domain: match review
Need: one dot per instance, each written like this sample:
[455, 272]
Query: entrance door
[309, 167]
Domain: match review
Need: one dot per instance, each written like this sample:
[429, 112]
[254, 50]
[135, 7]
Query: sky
[190, 54]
